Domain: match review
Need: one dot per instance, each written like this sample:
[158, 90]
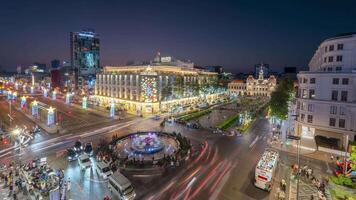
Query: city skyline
[236, 35]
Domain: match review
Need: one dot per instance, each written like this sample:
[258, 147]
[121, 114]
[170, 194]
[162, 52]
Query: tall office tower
[85, 55]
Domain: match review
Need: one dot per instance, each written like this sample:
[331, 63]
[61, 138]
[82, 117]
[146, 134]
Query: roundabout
[146, 146]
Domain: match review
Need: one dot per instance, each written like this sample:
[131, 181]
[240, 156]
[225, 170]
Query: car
[156, 117]
[71, 155]
[88, 149]
[78, 148]
[84, 161]
[103, 170]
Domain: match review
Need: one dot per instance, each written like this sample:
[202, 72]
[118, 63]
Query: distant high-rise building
[217, 69]
[85, 55]
[265, 68]
[55, 64]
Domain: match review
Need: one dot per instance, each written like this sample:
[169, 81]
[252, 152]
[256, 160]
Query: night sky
[235, 34]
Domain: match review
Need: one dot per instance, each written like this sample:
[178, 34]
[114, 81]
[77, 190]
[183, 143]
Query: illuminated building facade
[326, 97]
[155, 88]
[254, 87]
[85, 55]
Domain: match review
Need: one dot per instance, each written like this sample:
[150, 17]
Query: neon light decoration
[23, 101]
[112, 109]
[68, 98]
[9, 95]
[45, 92]
[32, 89]
[84, 103]
[34, 108]
[149, 86]
[24, 88]
[54, 95]
[50, 116]
[14, 96]
[16, 86]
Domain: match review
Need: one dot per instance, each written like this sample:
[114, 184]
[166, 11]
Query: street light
[297, 138]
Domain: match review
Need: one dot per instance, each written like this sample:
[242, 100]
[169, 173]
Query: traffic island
[147, 151]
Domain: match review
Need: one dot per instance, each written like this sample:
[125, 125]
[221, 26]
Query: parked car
[156, 117]
[88, 149]
[71, 155]
[78, 148]
[193, 125]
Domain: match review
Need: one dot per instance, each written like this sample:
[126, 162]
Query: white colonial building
[253, 87]
[326, 97]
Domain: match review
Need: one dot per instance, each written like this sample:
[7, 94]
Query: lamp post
[297, 138]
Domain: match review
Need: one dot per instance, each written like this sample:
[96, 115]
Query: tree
[280, 98]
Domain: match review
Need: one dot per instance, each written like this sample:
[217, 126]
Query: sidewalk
[52, 129]
[292, 148]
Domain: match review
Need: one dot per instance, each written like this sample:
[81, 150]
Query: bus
[265, 169]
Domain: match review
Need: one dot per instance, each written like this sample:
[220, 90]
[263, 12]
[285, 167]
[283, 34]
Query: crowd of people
[33, 178]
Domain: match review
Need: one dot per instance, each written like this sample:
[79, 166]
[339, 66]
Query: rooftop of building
[162, 68]
[237, 81]
[341, 36]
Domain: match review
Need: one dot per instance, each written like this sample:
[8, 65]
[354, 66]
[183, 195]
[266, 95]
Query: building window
[331, 48]
[305, 93]
[338, 69]
[302, 116]
[343, 95]
[331, 59]
[345, 81]
[325, 59]
[335, 81]
[330, 69]
[310, 107]
[312, 81]
[326, 49]
[305, 80]
[338, 58]
[311, 94]
[334, 95]
[298, 105]
[342, 123]
[304, 106]
[342, 110]
[310, 118]
[333, 110]
[340, 46]
[332, 122]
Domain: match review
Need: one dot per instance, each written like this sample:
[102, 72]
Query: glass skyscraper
[85, 55]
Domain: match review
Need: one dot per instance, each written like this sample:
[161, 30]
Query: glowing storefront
[154, 88]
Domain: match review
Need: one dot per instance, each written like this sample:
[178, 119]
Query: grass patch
[339, 194]
[224, 125]
[194, 115]
[343, 180]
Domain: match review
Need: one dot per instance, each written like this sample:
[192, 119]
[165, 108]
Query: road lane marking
[254, 142]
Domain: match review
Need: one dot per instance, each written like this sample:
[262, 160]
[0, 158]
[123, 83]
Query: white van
[103, 170]
[84, 162]
[121, 186]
